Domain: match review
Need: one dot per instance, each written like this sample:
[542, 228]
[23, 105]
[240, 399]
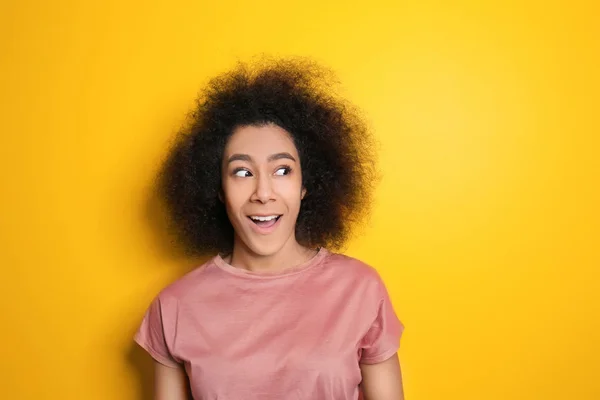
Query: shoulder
[359, 272]
[189, 283]
[359, 284]
[352, 266]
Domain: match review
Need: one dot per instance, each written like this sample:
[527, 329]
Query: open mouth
[266, 221]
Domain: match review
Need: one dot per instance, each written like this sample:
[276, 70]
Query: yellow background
[486, 227]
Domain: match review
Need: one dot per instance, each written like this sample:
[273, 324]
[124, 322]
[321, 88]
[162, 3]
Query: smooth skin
[382, 381]
[170, 383]
[261, 175]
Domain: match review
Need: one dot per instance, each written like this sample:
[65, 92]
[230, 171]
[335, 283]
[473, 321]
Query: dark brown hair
[333, 141]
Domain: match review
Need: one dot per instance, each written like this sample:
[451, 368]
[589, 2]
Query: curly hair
[335, 146]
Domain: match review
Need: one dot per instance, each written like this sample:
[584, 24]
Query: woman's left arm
[382, 381]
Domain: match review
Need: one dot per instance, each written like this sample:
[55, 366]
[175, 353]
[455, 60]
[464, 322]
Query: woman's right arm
[170, 383]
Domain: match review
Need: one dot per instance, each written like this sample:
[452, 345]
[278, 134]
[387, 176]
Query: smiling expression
[262, 188]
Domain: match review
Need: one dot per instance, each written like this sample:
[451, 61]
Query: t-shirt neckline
[309, 264]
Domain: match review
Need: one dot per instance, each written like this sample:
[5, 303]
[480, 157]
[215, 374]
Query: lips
[264, 224]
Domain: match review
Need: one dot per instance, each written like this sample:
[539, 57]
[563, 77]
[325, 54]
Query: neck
[290, 255]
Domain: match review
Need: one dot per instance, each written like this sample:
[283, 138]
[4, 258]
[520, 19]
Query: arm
[382, 381]
[170, 383]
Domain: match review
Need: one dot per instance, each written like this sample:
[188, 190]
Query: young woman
[270, 176]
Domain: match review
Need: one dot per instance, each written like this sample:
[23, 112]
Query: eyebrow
[272, 157]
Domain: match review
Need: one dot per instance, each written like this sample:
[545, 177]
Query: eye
[242, 173]
[283, 171]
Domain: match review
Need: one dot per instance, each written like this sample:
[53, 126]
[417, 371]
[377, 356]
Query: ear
[221, 196]
[303, 193]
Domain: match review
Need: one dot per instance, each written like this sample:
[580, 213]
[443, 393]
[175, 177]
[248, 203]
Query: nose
[264, 189]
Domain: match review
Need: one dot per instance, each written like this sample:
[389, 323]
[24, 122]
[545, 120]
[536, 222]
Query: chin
[265, 249]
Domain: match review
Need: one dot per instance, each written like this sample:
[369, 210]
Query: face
[262, 188]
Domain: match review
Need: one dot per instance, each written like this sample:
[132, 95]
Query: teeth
[268, 218]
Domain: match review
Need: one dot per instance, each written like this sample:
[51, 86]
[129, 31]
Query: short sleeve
[154, 335]
[382, 340]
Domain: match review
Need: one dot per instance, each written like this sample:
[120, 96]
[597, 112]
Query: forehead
[260, 141]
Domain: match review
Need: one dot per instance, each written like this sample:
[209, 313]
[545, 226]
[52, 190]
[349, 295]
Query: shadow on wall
[168, 249]
[144, 367]
[163, 238]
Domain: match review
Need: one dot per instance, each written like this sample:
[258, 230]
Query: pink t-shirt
[300, 334]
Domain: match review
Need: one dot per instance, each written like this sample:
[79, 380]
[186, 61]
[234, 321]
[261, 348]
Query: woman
[271, 174]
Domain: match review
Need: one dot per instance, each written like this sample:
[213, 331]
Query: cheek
[234, 196]
[291, 192]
